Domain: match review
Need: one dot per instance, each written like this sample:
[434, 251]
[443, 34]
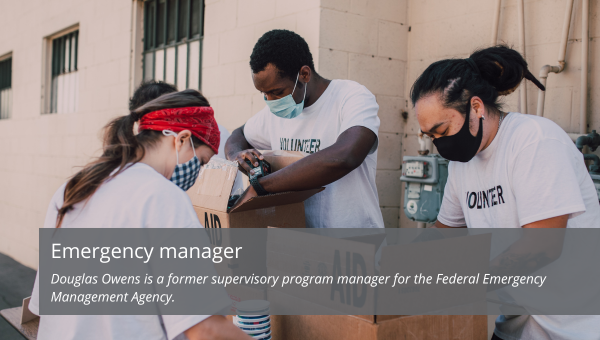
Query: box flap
[26, 314]
[279, 159]
[274, 200]
[213, 186]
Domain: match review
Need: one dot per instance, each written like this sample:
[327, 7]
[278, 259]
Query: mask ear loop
[193, 148]
[305, 89]
[296, 83]
[171, 133]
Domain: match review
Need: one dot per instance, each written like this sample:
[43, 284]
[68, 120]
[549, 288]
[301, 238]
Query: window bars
[173, 31]
[64, 79]
[5, 88]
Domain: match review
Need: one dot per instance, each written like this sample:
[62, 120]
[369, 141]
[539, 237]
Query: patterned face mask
[185, 175]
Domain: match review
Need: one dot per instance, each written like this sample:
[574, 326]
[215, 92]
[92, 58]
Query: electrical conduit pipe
[546, 69]
[496, 23]
[585, 44]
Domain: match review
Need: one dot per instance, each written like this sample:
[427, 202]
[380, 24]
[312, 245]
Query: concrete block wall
[362, 40]
[366, 41]
[231, 29]
[383, 44]
[38, 152]
[453, 29]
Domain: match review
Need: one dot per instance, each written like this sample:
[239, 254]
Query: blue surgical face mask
[286, 107]
[185, 175]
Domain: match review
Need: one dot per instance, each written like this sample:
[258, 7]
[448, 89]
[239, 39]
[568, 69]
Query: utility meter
[425, 178]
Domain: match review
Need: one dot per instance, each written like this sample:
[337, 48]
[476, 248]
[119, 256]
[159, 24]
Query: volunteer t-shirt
[352, 201]
[530, 172]
[139, 197]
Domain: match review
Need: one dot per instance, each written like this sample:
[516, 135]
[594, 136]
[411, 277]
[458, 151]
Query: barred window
[173, 31]
[5, 87]
[64, 90]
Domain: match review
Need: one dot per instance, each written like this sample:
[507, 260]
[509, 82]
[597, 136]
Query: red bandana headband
[200, 120]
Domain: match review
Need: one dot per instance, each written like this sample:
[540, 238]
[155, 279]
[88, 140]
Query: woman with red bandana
[140, 182]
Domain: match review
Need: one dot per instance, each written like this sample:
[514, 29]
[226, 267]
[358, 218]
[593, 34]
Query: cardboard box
[370, 327]
[278, 159]
[317, 255]
[210, 195]
[350, 327]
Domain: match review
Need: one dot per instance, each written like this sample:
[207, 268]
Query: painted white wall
[39, 152]
[231, 29]
[453, 29]
[364, 40]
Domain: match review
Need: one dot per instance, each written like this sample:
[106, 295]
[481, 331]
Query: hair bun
[504, 68]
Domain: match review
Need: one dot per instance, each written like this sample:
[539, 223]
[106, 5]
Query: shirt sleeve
[360, 109]
[545, 182]
[258, 130]
[451, 213]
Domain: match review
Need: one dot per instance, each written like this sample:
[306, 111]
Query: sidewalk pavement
[16, 283]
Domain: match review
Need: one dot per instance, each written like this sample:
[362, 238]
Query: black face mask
[461, 146]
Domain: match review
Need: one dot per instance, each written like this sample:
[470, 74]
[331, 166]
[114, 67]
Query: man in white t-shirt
[335, 121]
[507, 170]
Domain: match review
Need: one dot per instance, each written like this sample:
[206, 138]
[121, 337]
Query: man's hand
[252, 155]
[316, 170]
[238, 149]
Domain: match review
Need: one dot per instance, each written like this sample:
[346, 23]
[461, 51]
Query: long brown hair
[121, 148]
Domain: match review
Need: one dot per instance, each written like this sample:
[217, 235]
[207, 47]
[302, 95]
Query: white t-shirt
[139, 197]
[530, 172]
[352, 201]
[239, 179]
[224, 134]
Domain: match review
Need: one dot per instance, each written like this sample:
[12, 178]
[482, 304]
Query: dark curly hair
[488, 73]
[285, 49]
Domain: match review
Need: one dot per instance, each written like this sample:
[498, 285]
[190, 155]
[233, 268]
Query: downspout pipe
[585, 44]
[562, 52]
[496, 23]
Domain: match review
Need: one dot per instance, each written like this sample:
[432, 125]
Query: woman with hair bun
[507, 169]
[139, 181]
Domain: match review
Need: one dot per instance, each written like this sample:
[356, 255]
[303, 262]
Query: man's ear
[182, 138]
[305, 74]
